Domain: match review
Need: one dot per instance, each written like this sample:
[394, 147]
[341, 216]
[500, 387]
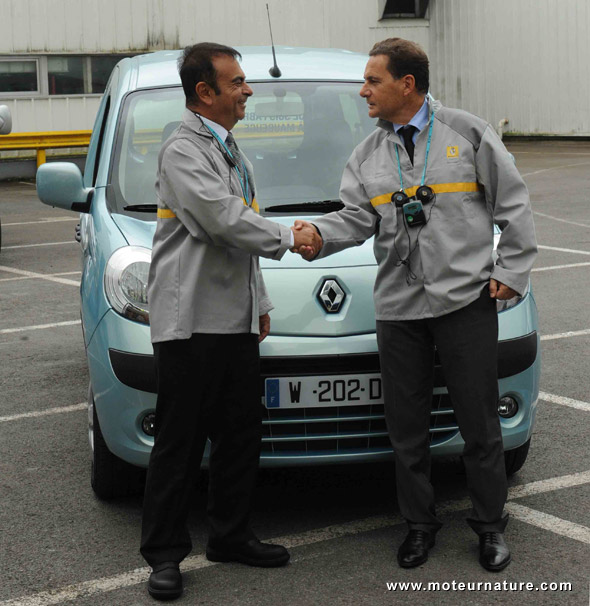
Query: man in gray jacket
[429, 184]
[208, 312]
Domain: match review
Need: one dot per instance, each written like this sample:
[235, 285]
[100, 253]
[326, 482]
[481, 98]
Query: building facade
[524, 61]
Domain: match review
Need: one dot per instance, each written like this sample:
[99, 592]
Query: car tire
[110, 476]
[515, 458]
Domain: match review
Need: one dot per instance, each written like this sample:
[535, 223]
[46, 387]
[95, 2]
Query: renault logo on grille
[331, 296]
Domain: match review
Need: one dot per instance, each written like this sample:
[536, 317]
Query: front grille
[334, 430]
[329, 429]
[343, 429]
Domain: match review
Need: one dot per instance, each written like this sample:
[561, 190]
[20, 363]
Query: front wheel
[516, 457]
[110, 476]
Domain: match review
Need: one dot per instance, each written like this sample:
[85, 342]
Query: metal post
[41, 157]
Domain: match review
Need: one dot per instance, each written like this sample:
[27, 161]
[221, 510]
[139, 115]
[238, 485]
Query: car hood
[294, 286]
[141, 233]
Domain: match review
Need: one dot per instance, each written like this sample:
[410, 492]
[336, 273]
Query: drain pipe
[501, 126]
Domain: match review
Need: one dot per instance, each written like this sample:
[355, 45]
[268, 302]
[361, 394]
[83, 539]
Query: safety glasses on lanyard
[243, 182]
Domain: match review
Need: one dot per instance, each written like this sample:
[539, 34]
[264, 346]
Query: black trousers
[466, 341]
[208, 386]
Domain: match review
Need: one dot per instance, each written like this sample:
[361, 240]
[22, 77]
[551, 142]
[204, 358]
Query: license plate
[335, 390]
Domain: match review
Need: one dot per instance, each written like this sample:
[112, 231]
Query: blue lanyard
[399, 166]
[245, 186]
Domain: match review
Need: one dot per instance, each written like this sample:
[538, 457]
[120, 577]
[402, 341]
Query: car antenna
[274, 71]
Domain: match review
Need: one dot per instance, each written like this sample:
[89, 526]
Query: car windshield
[298, 136]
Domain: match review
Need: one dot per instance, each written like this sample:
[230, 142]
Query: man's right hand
[501, 291]
[308, 241]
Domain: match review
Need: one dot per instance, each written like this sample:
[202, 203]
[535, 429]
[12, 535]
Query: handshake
[308, 241]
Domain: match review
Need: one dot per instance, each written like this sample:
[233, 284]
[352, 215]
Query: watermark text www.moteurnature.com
[477, 586]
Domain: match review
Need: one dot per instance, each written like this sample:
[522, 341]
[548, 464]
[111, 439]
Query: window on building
[44, 75]
[400, 9]
[65, 75]
[18, 76]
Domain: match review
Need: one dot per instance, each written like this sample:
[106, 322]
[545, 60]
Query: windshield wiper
[323, 206]
[142, 208]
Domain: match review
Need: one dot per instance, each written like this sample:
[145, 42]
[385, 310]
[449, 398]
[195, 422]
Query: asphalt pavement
[60, 545]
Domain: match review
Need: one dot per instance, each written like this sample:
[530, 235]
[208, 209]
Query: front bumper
[307, 436]
[138, 370]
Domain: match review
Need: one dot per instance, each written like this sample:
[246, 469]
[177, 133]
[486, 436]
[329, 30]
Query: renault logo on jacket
[331, 296]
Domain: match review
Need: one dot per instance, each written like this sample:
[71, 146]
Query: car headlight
[126, 280]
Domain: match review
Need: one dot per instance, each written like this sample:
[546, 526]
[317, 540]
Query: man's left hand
[264, 326]
[501, 291]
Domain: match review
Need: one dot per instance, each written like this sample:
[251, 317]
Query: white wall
[525, 60]
[29, 26]
[117, 26]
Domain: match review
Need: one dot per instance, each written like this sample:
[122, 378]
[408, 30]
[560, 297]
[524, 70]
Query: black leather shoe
[165, 582]
[494, 554]
[253, 553]
[414, 550]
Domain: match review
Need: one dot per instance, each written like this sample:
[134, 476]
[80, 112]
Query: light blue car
[321, 397]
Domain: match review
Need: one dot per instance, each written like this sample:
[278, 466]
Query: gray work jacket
[204, 275]
[476, 185]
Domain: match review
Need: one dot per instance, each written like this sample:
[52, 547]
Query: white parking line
[544, 170]
[7, 331]
[32, 274]
[83, 590]
[549, 522]
[566, 335]
[578, 404]
[140, 575]
[536, 212]
[41, 244]
[46, 220]
[62, 273]
[44, 413]
[561, 266]
[566, 250]
[549, 485]
[552, 154]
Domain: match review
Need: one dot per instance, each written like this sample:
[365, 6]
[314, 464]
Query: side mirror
[61, 184]
[5, 120]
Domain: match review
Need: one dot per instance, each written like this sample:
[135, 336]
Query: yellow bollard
[41, 157]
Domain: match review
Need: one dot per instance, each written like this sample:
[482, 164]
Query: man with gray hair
[209, 310]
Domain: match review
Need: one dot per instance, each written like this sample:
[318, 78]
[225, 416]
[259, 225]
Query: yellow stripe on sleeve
[165, 213]
[254, 206]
